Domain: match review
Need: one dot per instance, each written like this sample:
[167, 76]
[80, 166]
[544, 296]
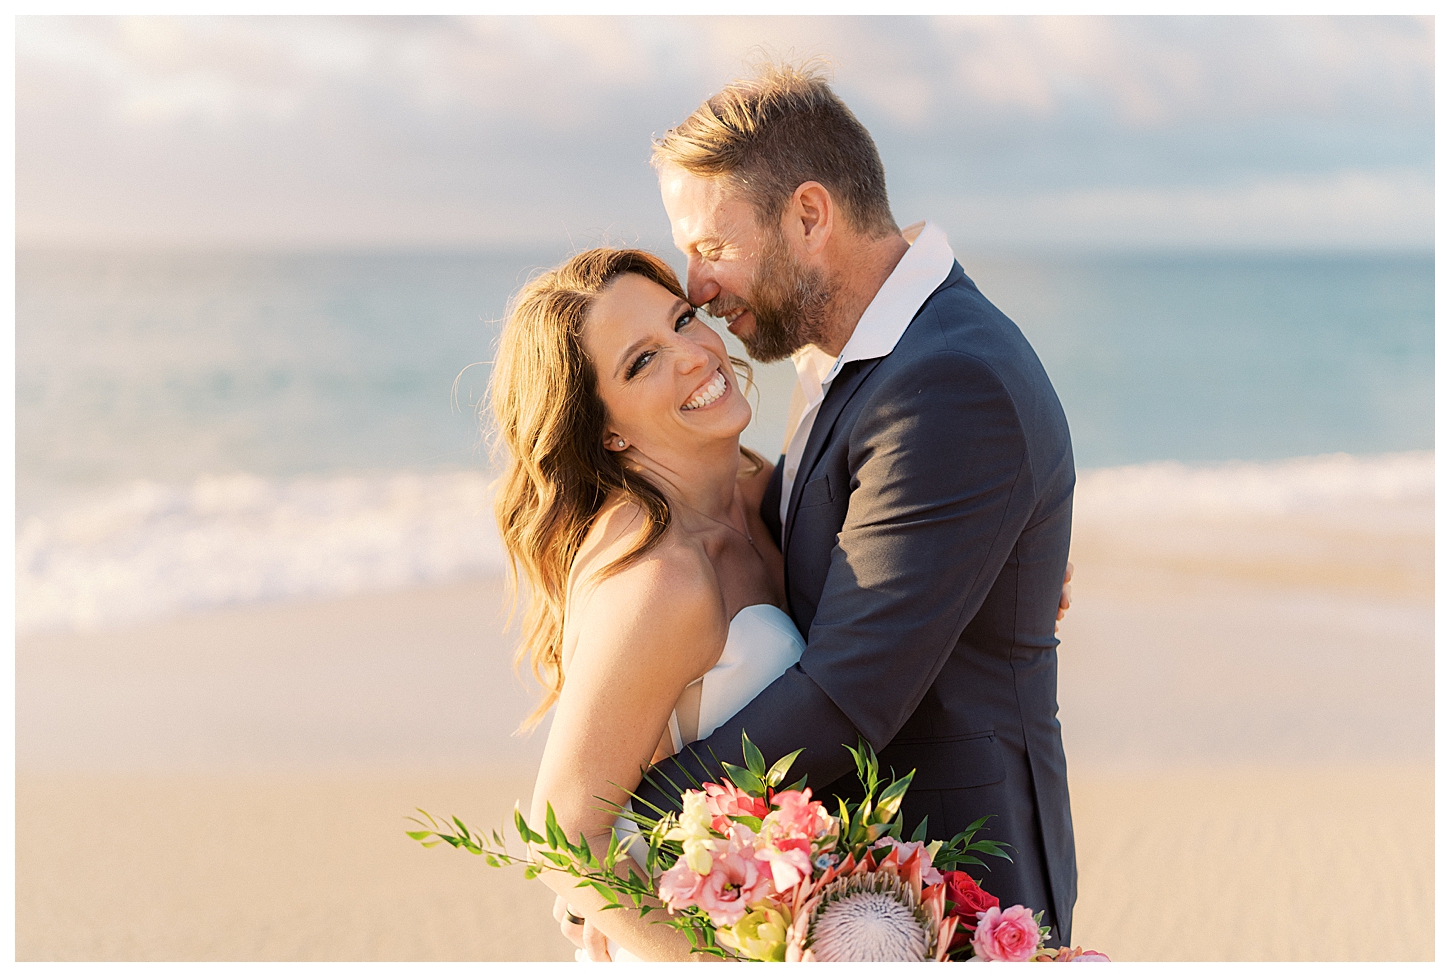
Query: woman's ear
[613, 442]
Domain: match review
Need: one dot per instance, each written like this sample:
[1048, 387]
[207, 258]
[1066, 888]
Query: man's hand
[1066, 601]
[579, 932]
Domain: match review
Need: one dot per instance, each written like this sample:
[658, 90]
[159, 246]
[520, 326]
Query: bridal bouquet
[750, 870]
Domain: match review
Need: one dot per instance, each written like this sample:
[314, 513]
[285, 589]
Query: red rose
[967, 899]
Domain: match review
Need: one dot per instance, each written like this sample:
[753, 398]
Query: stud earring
[620, 442]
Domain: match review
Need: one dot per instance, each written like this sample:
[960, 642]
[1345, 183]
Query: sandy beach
[1246, 698]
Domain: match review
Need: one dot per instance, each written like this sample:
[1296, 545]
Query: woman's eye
[640, 363]
[684, 320]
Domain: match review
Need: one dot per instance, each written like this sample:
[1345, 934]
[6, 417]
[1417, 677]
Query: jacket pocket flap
[816, 492]
[970, 760]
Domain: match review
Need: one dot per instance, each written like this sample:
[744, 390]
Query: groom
[924, 500]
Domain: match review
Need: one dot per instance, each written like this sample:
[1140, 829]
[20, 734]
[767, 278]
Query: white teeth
[712, 392]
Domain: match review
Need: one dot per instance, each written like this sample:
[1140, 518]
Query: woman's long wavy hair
[549, 422]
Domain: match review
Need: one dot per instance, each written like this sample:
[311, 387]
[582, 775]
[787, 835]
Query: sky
[505, 132]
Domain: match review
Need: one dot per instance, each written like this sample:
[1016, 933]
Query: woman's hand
[594, 943]
[1066, 601]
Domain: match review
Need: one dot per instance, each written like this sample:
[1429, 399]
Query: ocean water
[198, 430]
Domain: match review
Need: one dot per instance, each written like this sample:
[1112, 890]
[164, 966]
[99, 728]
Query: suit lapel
[842, 389]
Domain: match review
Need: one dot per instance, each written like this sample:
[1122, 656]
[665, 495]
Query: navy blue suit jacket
[925, 544]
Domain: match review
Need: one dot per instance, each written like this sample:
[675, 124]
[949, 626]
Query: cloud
[1352, 209]
[446, 130]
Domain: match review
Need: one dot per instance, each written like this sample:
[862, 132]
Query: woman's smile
[708, 392]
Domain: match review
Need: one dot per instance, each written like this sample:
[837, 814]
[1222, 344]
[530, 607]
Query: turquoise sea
[195, 430]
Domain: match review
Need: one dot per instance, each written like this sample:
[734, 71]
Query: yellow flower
[760, 934]
[694, 830]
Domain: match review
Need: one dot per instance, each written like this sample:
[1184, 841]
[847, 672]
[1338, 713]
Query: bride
[655, 592]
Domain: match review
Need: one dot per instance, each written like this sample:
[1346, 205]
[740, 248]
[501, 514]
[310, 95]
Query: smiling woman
[634, 513]
[645, 354]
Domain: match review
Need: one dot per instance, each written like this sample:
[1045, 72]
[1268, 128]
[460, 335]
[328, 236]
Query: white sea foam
[1368, 486]
[152, 550]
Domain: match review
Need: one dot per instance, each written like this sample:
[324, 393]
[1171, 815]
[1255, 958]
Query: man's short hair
[768, 134]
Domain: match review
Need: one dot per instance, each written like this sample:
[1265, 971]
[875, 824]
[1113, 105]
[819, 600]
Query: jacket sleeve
[941, 488]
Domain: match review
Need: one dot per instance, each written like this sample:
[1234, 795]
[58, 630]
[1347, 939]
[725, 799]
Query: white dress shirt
[923, 267]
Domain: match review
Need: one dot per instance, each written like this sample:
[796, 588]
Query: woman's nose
[693, 356]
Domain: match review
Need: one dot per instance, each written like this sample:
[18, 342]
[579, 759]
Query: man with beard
[923, 502]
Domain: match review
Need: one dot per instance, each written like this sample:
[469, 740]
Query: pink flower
[1006, 934]
[789, 860]
[726, 801]
[680, 886]
[736, 879]
[929, 875]
[797, 816]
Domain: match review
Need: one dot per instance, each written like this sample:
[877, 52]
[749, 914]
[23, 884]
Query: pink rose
[1006, 934]
[736, 879]
[904, 849]
[798, 816]
[726, 801]
[680, 886]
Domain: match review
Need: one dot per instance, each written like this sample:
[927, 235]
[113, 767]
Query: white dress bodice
[761, 644]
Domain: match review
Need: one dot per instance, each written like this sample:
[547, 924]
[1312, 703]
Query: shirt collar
[924, 266]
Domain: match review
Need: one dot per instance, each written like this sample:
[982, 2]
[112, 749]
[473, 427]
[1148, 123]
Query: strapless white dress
[762, 643]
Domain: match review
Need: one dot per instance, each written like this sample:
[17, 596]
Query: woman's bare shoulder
[669, 592]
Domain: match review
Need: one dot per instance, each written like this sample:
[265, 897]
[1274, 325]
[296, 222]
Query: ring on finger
[571, 917]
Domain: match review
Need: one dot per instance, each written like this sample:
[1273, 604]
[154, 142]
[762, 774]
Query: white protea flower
[869, 913]
[872, 917]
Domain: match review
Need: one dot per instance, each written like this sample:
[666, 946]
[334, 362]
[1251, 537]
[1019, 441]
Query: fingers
[1065, 601]
[573, 931]
[596, 944]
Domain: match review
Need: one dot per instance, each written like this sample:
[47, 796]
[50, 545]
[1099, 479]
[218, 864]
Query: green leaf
[753, 759]
[746, 780]
[920, 833]
[418, 835]
[890, 801]
[529, 836]
[430, 844]
[781, 767]
[551, 829]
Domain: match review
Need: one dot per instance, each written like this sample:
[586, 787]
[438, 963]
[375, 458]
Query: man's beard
[789, 302]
